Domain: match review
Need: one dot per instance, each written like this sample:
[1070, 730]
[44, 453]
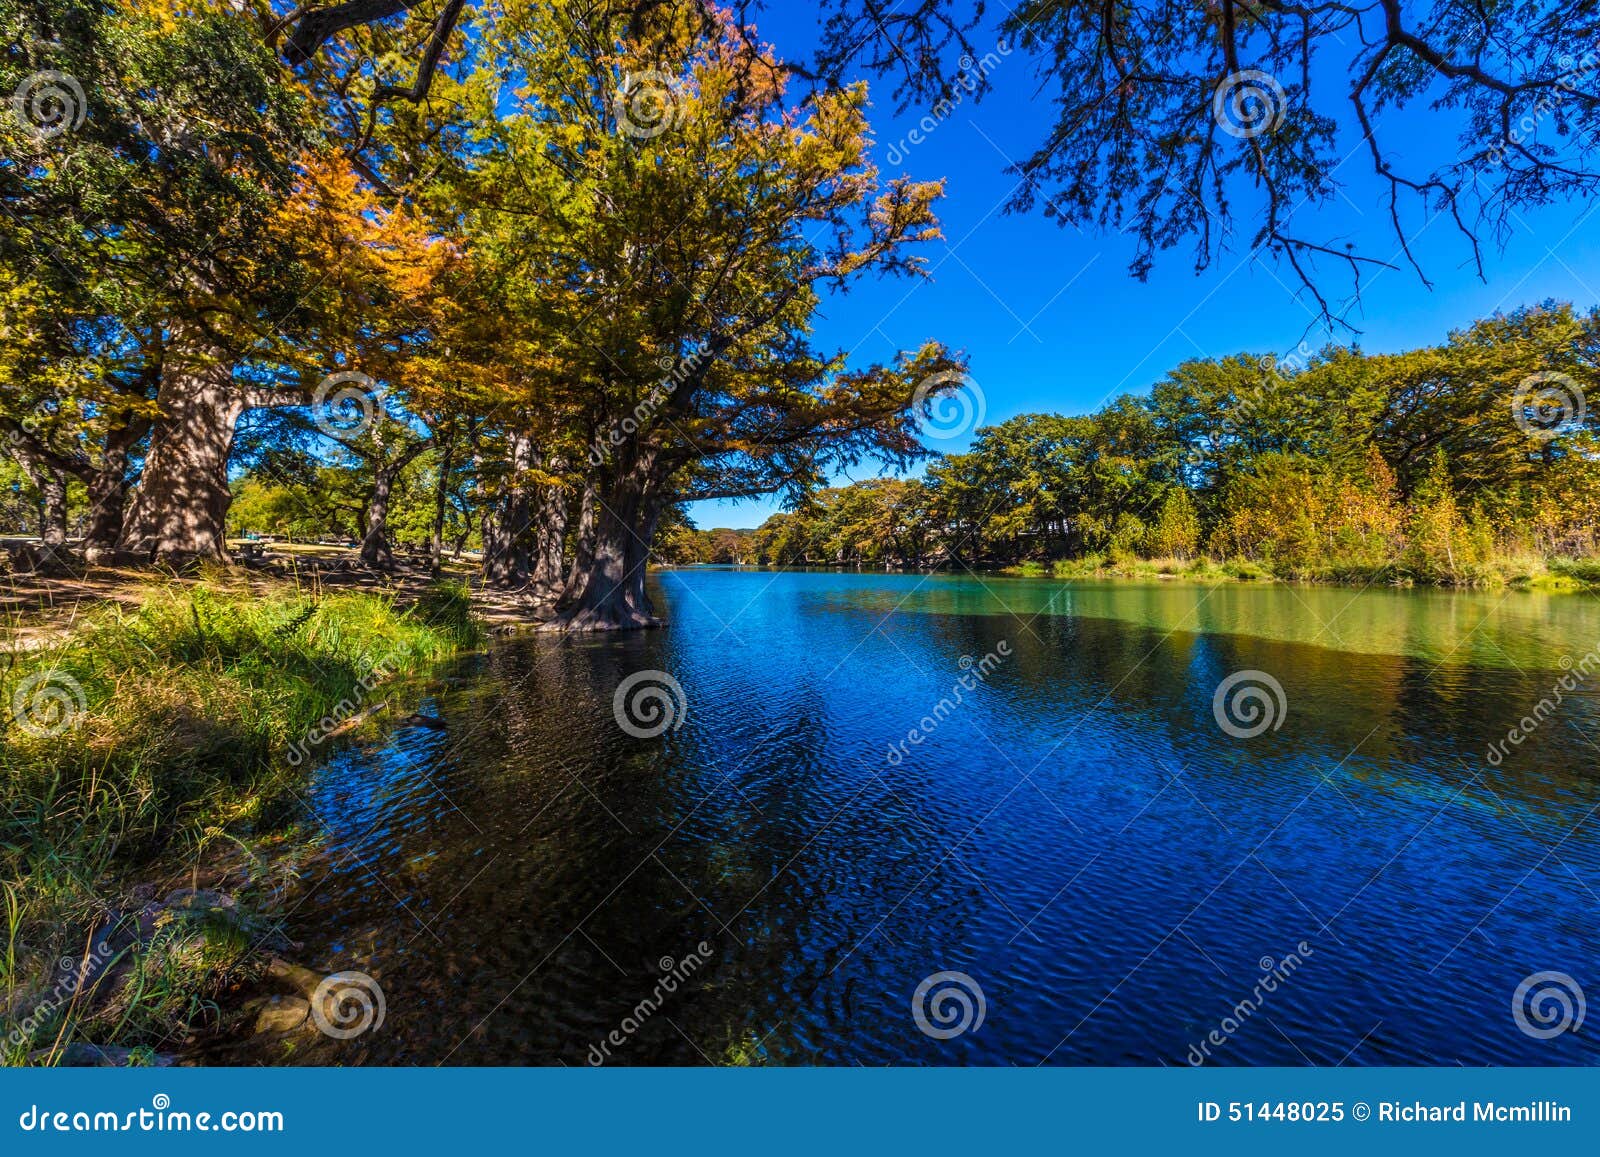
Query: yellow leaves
[163, 15]
[170, 15]
[379, 257]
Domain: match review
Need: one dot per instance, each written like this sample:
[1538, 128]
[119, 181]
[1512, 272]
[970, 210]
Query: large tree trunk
[546, 581]
[108, 490]
[441, 504]
[506, 562]
[52, 487]
[52, 508]
[607, 594]
[375, 549]
[582, 538]
[180, 510]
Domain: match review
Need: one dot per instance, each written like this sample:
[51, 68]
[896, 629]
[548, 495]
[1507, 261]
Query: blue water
[1077, 835]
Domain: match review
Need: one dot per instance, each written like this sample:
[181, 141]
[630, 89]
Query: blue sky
[1052, 321]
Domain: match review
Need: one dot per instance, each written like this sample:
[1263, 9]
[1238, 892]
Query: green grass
[156, 739]
[1128, 567]
[1523, 572]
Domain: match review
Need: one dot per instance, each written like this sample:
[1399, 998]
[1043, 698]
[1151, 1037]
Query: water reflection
[1078, 835]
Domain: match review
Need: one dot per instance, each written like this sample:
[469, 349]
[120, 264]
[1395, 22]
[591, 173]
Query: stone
[301, 980]
[282, 1014]
[198, 902]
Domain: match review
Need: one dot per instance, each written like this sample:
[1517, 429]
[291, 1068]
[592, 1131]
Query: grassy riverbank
[1530, 573]
[151, 746]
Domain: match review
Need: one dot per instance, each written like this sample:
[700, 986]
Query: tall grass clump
[151, 732]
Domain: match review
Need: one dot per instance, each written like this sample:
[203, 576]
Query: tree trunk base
[602, 619]
[180, 508]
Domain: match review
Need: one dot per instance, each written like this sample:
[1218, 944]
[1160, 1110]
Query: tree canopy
[533, 275]
[1177, 123]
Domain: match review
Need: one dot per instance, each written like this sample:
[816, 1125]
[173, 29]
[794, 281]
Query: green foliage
[180, 714]
[1175, 533]
[1419, 466]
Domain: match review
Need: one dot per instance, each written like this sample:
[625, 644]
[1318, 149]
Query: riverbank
[45, 605]
[149, 777]
[1517, 573]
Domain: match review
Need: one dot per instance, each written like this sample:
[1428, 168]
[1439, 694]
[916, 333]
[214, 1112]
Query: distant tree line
[1444, 465]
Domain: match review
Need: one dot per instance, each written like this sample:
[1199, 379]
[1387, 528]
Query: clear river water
[870, 780]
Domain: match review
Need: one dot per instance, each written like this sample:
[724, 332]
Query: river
[909, 819]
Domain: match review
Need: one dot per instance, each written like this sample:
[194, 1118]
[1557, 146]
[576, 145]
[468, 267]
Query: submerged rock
[280, 1013]
[301, 980]
[199, 902]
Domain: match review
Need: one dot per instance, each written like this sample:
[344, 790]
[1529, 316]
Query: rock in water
[282, 1014]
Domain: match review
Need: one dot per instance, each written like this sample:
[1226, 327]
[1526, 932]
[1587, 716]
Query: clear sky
[1051, 319]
